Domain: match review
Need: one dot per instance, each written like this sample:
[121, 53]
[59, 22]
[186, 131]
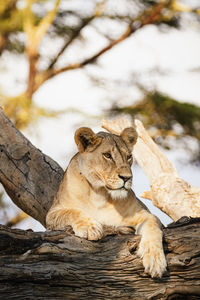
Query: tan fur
[96, 190]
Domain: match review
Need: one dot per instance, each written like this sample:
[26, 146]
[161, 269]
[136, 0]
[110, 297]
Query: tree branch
[34, 36]
[45, 23]
[75, 34]
[35, 33]
[59, 265]
[30, 178]
[77, 31]
[17, 219]
[149, 16]
[181, 7]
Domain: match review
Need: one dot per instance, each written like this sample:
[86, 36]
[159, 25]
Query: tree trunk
[58, 265]
[30, 177]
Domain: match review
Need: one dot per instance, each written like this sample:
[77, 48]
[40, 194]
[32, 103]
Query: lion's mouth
[118, 189]
[118, 193]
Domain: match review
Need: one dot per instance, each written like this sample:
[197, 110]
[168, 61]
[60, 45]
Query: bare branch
[34, 36]
[46, 22]
[28, 23]
[149, 16]
[98, 12]
[74, 35]
[18, 218]
[36, 33]
[181, 7]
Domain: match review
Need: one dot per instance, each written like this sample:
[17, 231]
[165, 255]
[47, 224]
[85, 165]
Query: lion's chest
[105, 213]
[109, 216]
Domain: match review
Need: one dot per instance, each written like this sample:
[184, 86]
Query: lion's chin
[118, 194]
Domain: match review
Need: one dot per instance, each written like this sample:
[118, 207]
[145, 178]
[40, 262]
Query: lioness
[96, 190]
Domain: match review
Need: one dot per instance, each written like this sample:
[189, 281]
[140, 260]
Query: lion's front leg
[151, 250]
[83, 226]
[150, 247]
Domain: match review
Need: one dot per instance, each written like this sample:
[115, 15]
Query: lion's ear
[86, 139]
[129, 136]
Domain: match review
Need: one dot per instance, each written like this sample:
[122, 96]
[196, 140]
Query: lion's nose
[124, 178]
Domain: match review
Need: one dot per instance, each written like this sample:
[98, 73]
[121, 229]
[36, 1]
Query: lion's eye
[107, 155]
[129, 157]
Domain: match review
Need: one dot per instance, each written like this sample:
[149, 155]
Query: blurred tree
[25, 25]
[168, 120]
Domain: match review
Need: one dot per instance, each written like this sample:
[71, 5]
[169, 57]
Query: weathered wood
[169, 192]
[30, 177]
[58, 265]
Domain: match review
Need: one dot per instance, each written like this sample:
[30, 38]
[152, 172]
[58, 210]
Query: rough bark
[169, 192]
[30, 177]
[58, 265]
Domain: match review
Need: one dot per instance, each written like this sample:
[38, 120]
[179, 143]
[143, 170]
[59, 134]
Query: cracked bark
[58, 265]
[30, 177]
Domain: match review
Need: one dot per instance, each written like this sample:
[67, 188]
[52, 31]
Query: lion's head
[105, 159]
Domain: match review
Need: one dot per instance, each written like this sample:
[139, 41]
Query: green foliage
[185, 114]
[22, 111]
[170, 117]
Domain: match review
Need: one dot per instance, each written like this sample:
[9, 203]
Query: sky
[175, 54]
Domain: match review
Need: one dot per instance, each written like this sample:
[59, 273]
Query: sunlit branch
[34, 36]
[74, 35]
[46, 22]
[149, 16]
[18, 218]
[180, 7]
[36, 33]
[98, 12]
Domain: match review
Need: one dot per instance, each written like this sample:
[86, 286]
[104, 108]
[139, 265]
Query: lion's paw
[91, 230]
[153, 258]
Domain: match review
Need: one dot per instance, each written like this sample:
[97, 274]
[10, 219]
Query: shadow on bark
[58, 265]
